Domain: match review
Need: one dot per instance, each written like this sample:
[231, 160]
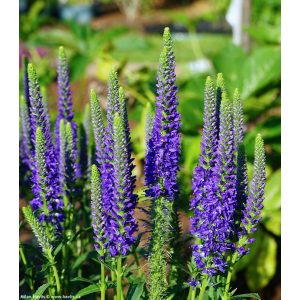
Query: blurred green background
[127, 34]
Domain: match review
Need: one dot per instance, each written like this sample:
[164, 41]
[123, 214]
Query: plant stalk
[103, 287]
[119, 278]
[229, 275]
[202, 289]
[193, 293]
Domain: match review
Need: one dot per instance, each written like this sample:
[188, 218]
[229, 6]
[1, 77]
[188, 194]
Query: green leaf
[135, 291]
[263, 266]
[272, 221]
[81, 279]
[273, 192]
[80, 259]
[40, 291]
[58, 248]
[261, 69]
[243, 296]
[93, 288]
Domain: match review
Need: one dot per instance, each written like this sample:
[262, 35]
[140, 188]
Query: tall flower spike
[25, 146]
[162, 161]
[38, 230]
[40, 119]
[161, 167]
[98, 128]
[202, 176]
[124, 188]
[113, 103]
[214, 201]
[254, 204]
[50, 208]
[107, 168]
[97, 211]
[209, 142]
[65, 107]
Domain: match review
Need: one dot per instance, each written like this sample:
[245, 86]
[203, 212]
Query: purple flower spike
[122, 238]
[161, 167]
[214, 201]
[65, 106]
[163, 149]
[254, 204]
[40, 119]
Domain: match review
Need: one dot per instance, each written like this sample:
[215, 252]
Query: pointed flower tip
[208, 80]
[167, 32]
[61, 52]
[94, 173]
[31, 71]
[220, 80]
[236, 94]
[93, 95]
[113, 74]
[259, 140]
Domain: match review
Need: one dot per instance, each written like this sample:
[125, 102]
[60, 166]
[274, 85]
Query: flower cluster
[46, 192]
[223, 209]
[161, 167]
[65, 107]
[115, 165]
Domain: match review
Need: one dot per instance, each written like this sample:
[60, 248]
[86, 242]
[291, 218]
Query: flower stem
[193, 293]
[202, 289]
[119, 278]
[55, 273]
[103, 287]
[113, 279]
[27, 271]
[229, 274]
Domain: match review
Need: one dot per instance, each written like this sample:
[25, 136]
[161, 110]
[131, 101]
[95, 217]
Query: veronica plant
[161, 167]
[114, 200]
[45, 175]
[220, 192]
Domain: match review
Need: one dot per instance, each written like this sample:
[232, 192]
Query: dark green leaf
[81, 279]
[135, 291]
[263, 266]
[80, 259]
[93, 288]
[40, 291]
[243, 296]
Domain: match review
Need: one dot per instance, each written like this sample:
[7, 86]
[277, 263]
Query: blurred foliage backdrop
[127, 34]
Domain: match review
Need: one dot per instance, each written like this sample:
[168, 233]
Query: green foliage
[263, 266]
